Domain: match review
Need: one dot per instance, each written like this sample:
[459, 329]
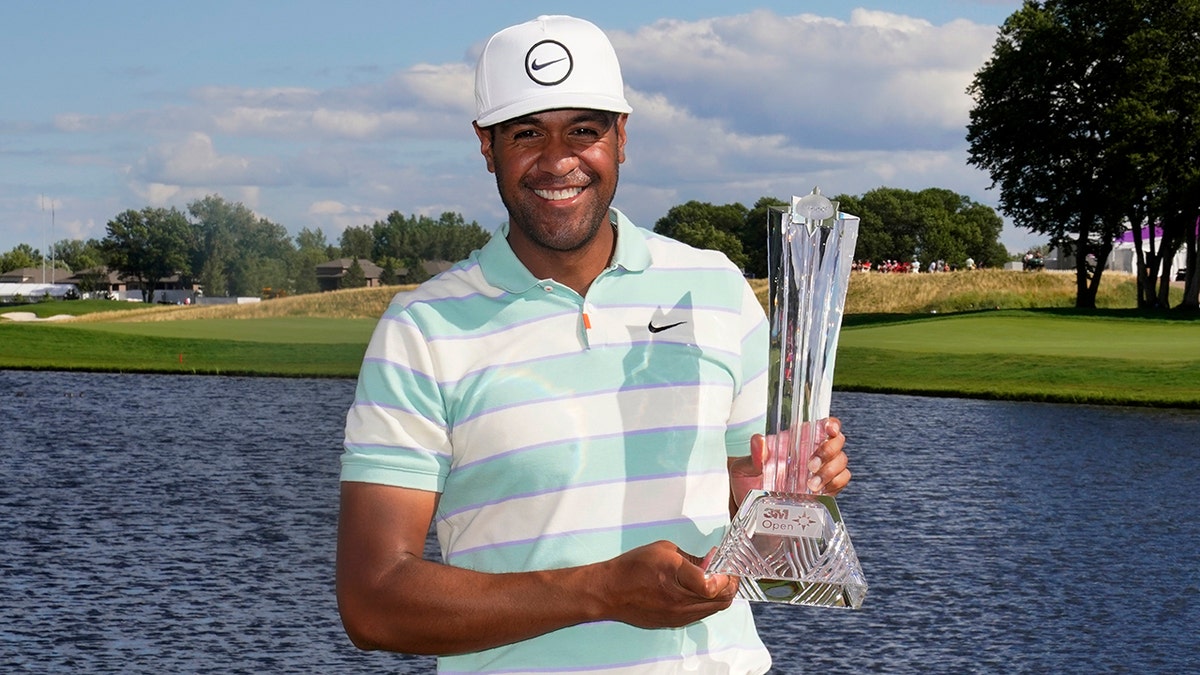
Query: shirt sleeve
[396, 429]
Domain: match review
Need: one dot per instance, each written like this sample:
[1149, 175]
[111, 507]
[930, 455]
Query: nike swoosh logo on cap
[538, 66]
[658, 329]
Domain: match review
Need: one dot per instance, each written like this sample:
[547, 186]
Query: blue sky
[328, 115]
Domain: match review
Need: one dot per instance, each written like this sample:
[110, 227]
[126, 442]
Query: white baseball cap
[549, 63]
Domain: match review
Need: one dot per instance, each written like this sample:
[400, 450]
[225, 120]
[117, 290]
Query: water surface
[155, 523]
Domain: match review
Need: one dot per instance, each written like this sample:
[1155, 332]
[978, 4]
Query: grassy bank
[1004, 335]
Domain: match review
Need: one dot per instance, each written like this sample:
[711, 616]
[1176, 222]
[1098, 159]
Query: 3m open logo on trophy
[787, 544]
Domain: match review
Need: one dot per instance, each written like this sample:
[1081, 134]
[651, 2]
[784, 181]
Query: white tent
[8, 291]
[1124, 254]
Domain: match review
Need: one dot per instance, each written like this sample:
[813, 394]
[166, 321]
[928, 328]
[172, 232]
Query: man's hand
[391, 598]
[659, 586]
[827, 466]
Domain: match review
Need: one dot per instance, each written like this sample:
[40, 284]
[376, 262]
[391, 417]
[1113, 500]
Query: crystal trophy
[787, 544]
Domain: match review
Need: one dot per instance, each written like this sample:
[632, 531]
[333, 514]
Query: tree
[1158, 138]
[354, 277]
[79, 255]
[240, 253]
[1041, 127]
[754, 235]
[901, 225]
[389, 271]
[357, 242]
[148, 246]
[312, 249]
[415, 239]
[21, 256]
[706, 225]
[702, 234]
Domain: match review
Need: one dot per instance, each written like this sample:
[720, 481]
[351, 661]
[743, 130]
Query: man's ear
[485, 146]
[621, 137]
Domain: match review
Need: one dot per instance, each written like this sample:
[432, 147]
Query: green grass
[306, 347]
[1035, 334]
[274, 330]
[891, 342]
[69, 308]
[1068, 356]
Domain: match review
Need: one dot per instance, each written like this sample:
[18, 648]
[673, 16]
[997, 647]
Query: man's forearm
[424, 607]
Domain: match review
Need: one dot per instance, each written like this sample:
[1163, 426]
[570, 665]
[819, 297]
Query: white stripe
[593, 508]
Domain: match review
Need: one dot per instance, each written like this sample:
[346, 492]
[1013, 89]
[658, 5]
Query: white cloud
[447, 86]
[725, 109]
[261, 121]
[891, 76]
[194, 161]
[327, 207]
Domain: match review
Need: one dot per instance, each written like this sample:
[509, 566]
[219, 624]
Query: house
[98, 282]
[330, 274]
[35, 275]
[435, 267]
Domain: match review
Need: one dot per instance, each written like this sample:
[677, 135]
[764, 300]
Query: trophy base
[791, 549]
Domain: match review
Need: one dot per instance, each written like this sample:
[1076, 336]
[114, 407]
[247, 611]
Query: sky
[327, 115]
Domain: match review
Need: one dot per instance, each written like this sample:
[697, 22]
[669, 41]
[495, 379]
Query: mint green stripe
[582, 462]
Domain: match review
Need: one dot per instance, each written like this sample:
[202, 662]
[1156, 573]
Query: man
[572, 407]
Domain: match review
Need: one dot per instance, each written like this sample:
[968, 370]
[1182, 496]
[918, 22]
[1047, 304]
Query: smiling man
[574, 408]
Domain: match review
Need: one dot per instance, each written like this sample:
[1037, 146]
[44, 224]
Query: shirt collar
[503, 270]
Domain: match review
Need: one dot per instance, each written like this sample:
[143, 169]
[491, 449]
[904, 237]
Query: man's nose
[558, 158]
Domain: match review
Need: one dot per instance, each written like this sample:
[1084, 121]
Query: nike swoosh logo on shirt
[658, 329]
[538, 66]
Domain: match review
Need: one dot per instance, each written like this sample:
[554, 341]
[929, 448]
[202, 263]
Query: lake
[159, 523]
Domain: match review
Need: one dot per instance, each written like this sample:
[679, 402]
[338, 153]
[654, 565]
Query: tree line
[895, 224]
[228, 250]
[1087, 118]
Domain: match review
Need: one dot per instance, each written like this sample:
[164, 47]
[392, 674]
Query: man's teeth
[555, 195]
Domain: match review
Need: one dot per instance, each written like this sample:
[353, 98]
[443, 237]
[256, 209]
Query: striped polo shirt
[564, 430]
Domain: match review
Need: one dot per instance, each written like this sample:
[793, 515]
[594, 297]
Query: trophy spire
[789, 545]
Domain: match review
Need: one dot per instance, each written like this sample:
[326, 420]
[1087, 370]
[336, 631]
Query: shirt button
[548, 289]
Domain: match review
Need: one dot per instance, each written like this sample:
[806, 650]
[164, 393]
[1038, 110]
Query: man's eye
[586, 131]
[524, 134]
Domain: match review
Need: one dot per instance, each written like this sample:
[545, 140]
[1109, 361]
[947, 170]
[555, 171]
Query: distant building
[1124, 255]
[35, 275]
[330, 274]
[436, 267]
[100, 281]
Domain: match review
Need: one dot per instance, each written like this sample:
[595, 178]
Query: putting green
[1031, 334]
[280, 330]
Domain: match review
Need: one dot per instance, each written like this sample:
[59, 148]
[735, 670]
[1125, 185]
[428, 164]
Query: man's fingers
[758, 451]
[691, 577]
[833, 427]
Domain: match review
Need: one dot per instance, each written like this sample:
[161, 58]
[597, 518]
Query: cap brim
[553, 101]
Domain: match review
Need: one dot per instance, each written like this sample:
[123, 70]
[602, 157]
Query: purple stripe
[554, 357]
[587, 394]
[503, 329]
[397, 365]
[574, 533]
[574, 486]
[585, 439]
[723, 309]
[426, 452]
[371, 403]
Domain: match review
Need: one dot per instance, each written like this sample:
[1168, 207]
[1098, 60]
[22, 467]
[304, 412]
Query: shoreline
[1075, 399]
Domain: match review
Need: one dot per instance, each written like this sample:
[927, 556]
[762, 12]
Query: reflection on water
[186, 524]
